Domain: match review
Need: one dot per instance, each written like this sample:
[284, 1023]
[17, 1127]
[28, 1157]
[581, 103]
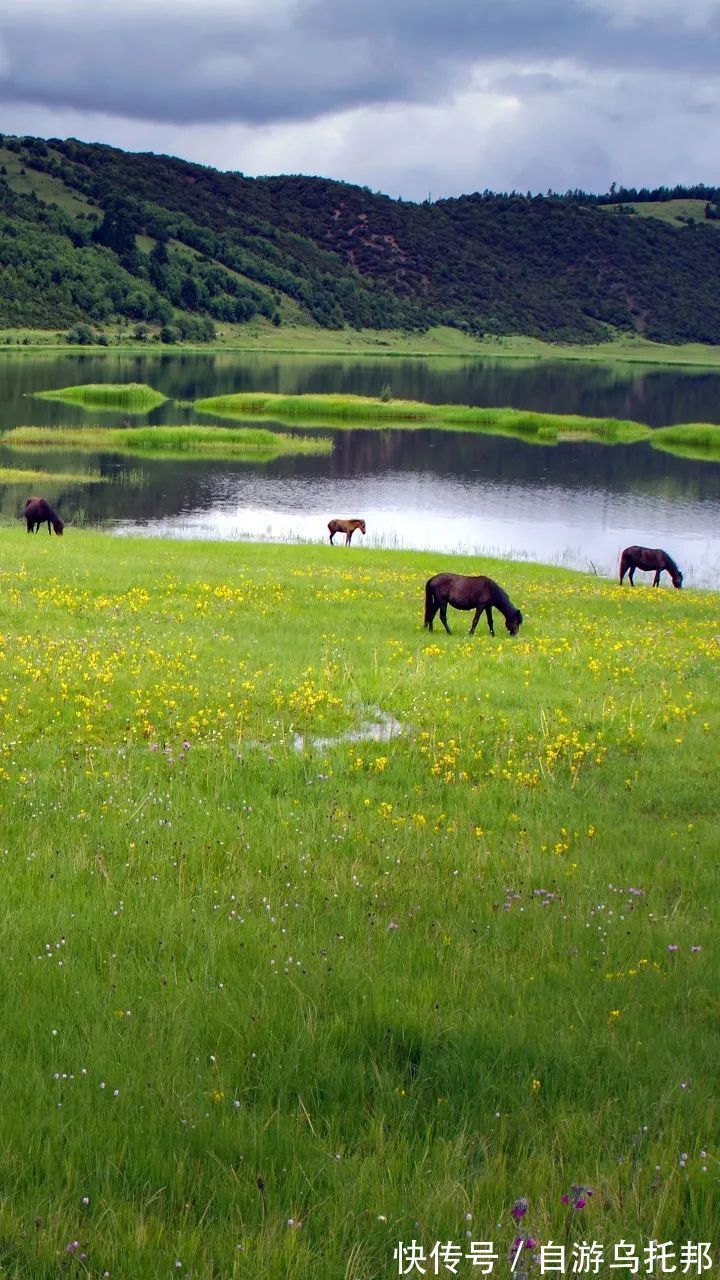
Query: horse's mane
[670, 563]
[502, 600]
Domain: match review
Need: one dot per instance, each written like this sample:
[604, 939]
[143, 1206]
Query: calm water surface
[577, 504]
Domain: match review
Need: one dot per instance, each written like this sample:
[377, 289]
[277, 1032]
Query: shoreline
[137, 536]
[437, 344]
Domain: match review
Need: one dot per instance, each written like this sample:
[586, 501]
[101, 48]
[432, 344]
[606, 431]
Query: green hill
[90, 233]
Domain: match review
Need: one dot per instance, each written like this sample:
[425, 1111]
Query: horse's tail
[429, 600]
[624, 564]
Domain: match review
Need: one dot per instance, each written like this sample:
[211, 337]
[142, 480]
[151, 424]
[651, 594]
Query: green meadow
[168, 441]
[438, 342]
[677, 213]
[279, 993]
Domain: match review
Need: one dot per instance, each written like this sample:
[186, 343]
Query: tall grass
[696, 439]
[180, 441]
[30, 475]
[268, 1011]
[343, 410]
[131, 397]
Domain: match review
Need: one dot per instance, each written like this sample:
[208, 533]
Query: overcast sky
[410, 97]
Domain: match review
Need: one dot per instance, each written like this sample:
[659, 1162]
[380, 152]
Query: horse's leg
[476, 619]
[656, 579]
[348, 537]
[49, 528]
[631, 576]
[443, 617]
[332, 535]
[488, 610]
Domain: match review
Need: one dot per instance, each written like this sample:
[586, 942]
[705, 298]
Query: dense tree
[116, 230]
[169, 243]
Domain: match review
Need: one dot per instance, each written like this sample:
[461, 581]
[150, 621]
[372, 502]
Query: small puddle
[381, 728]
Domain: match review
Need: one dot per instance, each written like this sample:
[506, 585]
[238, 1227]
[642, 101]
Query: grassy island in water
[697, 440]
[167, 441]
[701, 439]
[132, 397]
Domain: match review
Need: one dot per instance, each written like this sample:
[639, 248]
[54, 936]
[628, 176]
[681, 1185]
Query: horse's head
[677, 579]
[58, 526]
[512, 622]
[362, 526]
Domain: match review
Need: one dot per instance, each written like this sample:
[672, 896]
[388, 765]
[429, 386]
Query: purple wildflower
[578, 1196]
[519, 1208]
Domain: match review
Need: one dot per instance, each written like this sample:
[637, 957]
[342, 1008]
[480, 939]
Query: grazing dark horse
[649, 558]
[479, 594]
[37, 511]
[347, 527]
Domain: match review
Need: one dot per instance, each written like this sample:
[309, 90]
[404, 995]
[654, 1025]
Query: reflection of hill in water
[649, 394]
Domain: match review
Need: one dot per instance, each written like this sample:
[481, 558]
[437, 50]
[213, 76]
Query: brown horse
[347, 527]
[461, 592]
[649, 558]
[37, 511]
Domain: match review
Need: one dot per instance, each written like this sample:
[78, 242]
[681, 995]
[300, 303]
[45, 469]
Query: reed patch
[345, 410]
[130, 397]
[692, 439]
[30, 475]
[248, 443]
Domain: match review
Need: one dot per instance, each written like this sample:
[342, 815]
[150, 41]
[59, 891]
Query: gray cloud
[408, 96]
[297, 59]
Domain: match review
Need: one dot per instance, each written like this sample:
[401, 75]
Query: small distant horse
[649, 558]
[37, 511]
[347, 527]
[461, 592]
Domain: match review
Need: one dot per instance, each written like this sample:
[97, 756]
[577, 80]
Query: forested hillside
[90, 234]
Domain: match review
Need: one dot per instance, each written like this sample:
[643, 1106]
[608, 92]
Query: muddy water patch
[381, 728]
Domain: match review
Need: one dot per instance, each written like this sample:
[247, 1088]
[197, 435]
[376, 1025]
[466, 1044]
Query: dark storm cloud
[254, 62]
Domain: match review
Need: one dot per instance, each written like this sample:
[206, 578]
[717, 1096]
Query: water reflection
[382, 728]
[644, 392]
[574, 503]
[585, 526]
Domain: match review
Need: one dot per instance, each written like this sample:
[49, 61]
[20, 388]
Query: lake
[574, 503]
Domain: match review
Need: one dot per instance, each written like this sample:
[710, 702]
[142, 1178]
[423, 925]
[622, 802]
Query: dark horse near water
[649, 558]
[37, 511]
[479, 594]
[347, 527]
